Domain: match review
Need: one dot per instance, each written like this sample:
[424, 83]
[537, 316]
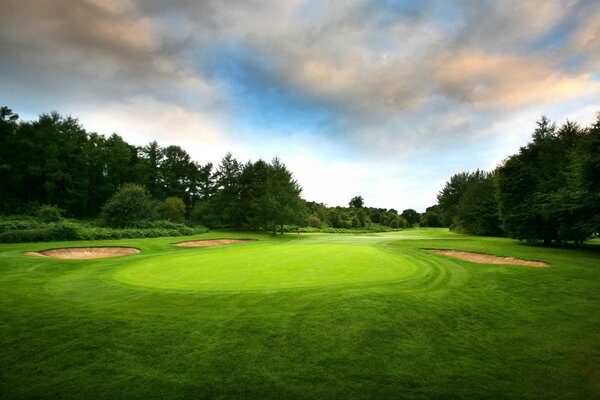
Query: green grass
[327, 316]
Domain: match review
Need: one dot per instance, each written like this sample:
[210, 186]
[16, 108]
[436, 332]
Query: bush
[14, 225]
[32, 231]
[67, 231]
[48, 213]
[173, 209]
[27, 235]
[314, 221]
[129, 205]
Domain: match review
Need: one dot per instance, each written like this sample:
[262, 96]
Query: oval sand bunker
[489, 259]
[84, 253]
[213, 242]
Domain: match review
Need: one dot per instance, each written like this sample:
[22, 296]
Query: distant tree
[205, 181]
[256, 200]
[130, 204]
[152, 157]
[411, 216]
[540, 193]
[314, 221]
[361, 216]
[432, 217]
[288, 206]
[202, 213]
[177, 174]
[226, 202]
[449, 197]
[357, 202]
[9, 174]
[173, 209]
[576, 204]
[375, 215]
[477, 211]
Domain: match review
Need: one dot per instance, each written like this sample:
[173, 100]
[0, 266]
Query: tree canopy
[549, 191]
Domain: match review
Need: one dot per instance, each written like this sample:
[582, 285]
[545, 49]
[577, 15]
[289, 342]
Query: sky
[383, 99]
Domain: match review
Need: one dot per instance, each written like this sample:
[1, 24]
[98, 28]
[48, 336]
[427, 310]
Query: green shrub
[158, 224]
[27, 235]
[14, 225]
[67, 231]
[129, 205]
[48, 213]
[33, 231]
[173, 209]
[314, 221]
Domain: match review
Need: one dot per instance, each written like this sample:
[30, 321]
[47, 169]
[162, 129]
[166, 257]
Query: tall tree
[178, 174]
[532, 202]
[357, 202]
[288, 207]
[152, 156]
[226, 201]
[477, 211]
[9, 123]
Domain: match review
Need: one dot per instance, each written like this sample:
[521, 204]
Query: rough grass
[327, 316]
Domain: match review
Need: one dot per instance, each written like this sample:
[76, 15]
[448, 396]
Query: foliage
[54, 160]
[432, 217]
[548, 191]
[352, 217]
[27, 235]
[411, 216]
[23, 231]
[173, 209]
[49, 213]
[129, 205]
[357, 202]
[18, 224]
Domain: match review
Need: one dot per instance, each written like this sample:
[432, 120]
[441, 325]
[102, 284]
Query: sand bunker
[84, 253]
[213, 242]
[489, 259]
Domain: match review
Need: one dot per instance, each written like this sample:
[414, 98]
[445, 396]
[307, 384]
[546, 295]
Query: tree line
[54, 160]
[357, 215]
[549, 191]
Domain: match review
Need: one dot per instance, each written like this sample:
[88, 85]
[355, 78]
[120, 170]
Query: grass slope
[327, 316]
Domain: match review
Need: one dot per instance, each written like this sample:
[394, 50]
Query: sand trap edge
[84, 253]
[481, 258]
[213, 242]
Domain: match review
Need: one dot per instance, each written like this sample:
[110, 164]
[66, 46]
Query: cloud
[447, 85]
[494, 80]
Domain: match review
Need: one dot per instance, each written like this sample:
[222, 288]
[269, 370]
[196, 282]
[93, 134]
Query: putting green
[284, 266]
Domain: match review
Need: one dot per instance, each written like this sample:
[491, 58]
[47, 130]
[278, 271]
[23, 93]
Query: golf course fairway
[322, 316]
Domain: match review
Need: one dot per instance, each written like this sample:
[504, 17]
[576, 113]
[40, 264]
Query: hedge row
[72, 231]
[15, 225]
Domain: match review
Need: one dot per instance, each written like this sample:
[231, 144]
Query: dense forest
[549, 191]
[55, 161]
